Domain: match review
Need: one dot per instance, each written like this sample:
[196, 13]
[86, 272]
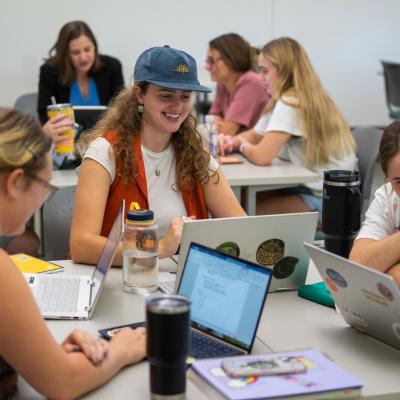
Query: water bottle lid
[339, 177]
[140, 215]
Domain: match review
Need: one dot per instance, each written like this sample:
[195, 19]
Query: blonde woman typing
[301, 124]
[81, 362]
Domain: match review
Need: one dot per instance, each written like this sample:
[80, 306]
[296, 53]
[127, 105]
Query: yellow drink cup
[67, 146]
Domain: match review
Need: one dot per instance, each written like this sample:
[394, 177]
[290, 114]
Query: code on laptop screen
[227, 294]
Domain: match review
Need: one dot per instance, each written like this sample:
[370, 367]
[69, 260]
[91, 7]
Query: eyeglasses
[50, 189]
[212, 60]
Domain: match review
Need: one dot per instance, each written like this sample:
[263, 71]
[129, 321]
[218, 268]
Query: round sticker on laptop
[230, 248]
[353, 317]
[396, 329]
[336, 277]
[331, 284]
[270, 252]
[285, 267]
[385, 291]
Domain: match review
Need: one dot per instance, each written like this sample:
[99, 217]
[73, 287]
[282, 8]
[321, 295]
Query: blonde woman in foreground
[27, 347]
[300, 123]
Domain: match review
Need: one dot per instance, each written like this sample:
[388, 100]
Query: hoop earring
[140, 108]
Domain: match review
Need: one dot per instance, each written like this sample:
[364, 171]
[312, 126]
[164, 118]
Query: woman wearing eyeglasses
[27, 347]
[301, 124]
[240, 95]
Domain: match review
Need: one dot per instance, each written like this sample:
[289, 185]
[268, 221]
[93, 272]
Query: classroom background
[345, 39]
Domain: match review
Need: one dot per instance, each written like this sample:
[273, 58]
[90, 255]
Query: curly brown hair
[192, 159]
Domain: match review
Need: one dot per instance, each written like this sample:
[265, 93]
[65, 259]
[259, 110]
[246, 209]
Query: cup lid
[140, 215]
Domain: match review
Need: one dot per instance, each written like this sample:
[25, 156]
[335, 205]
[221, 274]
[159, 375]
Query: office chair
[57, 215]
[367, 139]
[391, 73]
[27, 104]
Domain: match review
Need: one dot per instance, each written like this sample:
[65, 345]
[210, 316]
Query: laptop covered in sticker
[368, 300]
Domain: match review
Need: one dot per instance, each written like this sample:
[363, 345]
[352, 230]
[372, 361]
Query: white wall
[345, 39]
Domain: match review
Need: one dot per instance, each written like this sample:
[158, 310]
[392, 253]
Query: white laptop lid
[107, 257]
[273, 241]
[368, 300]
[227, 294]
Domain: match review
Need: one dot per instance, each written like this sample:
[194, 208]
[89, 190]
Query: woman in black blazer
[76, 73]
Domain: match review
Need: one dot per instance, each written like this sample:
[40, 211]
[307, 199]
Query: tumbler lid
[340, 177]
[167, 304]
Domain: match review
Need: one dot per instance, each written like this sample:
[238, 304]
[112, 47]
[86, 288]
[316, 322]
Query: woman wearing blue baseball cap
[146, 149]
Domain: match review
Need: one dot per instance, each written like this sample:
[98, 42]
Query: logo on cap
[182, 68]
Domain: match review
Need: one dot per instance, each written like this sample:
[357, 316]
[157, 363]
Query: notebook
[323, 379]
[65, 296]
[33, 265]
[87, 116]
[227, 298]
[368, 300]
[273, 241]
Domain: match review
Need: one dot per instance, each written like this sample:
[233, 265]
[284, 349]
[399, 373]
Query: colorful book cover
[32, 265]
[322, 377]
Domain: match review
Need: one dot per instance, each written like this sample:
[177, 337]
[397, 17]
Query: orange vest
[137, 191]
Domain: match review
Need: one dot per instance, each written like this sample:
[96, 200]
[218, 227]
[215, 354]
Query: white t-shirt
[382, 218]
[284, 118]
[163, 200]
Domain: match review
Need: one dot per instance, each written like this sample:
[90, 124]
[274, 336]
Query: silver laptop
[273, 241]
[227, 298]
[75, 296]
[368, 300]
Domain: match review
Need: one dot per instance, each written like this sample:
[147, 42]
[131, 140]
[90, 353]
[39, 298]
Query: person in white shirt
[301, 124]
[376, 245]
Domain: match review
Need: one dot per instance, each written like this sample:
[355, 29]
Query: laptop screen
[108, 253]
[227, 294]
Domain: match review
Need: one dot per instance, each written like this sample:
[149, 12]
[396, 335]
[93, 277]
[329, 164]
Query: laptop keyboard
[167, 286]
[56, 295]
[203, 346]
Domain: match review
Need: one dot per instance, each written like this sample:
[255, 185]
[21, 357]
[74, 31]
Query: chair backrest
[367, 139]
[27, 104]
[57, 215]
[391, 73]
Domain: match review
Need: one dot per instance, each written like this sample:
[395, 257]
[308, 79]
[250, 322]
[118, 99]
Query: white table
[116, 307]
[252, 178]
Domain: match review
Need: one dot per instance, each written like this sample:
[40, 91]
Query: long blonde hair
[23, 144]
[192, 160]
[326, 133]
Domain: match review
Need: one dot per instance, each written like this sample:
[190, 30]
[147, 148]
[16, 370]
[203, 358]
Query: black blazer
[109, 81]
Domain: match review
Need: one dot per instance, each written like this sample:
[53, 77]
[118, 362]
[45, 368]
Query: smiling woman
[146, 149]
[377, 242]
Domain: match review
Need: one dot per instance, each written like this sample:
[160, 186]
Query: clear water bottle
[212, 135]
[140, 252]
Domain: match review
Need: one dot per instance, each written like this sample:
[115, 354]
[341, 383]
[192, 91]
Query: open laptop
[87, 116]
[273, 241]
[75, 296]
[368, 300]
[227, 298]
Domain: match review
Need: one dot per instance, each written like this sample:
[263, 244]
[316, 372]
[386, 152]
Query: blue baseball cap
[168, 68]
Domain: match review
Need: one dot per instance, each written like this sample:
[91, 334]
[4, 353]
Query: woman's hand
[172, 239]
[94, 349]
[131, 343]
[228, 144]
[56, 125]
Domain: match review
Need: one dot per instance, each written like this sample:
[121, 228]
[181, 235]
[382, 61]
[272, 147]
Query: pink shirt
[245, 104]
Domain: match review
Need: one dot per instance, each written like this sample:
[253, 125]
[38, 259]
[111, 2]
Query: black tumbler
[341, 209]
[168, 333]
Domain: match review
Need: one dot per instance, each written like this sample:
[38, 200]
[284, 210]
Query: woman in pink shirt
[241, 94]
